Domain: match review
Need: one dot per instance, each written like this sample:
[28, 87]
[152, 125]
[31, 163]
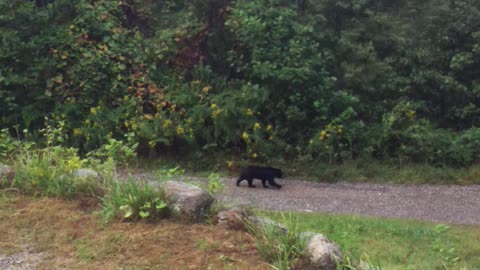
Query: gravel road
[436, 203]
[446, 203]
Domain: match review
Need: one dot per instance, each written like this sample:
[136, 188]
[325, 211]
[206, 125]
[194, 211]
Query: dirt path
[448, 204]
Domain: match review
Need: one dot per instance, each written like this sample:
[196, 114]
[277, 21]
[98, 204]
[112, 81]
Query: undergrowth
[282, 248]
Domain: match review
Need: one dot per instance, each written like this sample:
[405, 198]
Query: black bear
[263, 173]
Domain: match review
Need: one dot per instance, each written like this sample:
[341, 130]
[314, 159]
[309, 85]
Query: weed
[132, 201]
[215, 184]
[169, 174]
[446, 251]
[281, 248]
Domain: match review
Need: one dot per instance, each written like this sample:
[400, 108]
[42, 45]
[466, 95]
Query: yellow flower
[257, 125]
[323, 133]
[254, 155]
[148, 116]
[269, 127]
[151, 144]
[230, 164]
[77, 132]
[196, 82]
[213, 106]
[206, 89]
[215, 113]
[166, 123]
[410, 114]
[249, 112]
[245, 136]
[189, 120]
[93, 110]
[270, 138]
[180, 131]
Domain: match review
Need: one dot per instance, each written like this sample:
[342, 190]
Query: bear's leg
[271, 182]
[250, 180]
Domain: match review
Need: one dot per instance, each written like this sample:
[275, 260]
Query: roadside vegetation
[385, 243]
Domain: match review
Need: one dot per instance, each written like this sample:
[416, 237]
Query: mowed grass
[69, 234]
[397, 244]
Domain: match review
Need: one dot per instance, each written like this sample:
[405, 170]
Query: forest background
[324, 81]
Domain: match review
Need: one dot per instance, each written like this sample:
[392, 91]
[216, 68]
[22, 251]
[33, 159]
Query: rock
[6, 173]
[320, 253]
[188, 202]
[263, 221]
[86, 173]
[232, 219]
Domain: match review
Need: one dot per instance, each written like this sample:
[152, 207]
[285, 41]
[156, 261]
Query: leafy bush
[132, 201]
[51, 170]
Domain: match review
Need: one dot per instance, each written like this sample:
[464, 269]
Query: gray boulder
[265, 222]
[320, 253]
[86, 173]
[6, 173]
[187, 202]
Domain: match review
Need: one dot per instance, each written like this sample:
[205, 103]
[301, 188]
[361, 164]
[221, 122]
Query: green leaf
[144, 214]
[161, 205]
[128, 214]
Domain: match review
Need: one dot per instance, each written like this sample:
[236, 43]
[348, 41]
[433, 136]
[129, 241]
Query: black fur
[263, 173]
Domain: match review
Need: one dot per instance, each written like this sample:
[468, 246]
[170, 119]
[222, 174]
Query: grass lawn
[395, 243]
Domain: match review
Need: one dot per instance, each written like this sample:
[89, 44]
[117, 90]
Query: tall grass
[282, 248]
[132, 200]
[51, 172]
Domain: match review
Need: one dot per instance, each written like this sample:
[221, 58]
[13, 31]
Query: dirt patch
[61, 234]
[24, 260]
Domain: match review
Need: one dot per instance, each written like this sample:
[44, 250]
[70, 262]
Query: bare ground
[50, 233]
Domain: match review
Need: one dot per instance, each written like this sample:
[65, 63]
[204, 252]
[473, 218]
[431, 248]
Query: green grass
[397, 244]
[360, 170]
[388, 172]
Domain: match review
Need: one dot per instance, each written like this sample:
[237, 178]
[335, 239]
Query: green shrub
[131, 201]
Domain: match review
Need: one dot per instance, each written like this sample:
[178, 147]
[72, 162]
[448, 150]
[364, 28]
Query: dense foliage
[320, 80]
